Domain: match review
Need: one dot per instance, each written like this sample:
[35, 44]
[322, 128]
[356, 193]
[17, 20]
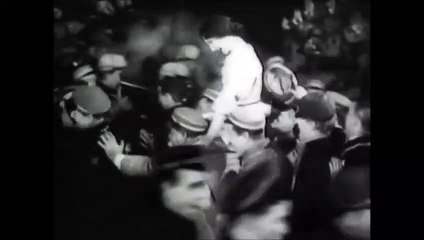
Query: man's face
[189, 195]
[166, 100]
[272, 224]
[285, 121]
[112, 79]
[177, 137]
[352, 123]
[306, 127]
[205, 105]
[235, 141]
[84, 120]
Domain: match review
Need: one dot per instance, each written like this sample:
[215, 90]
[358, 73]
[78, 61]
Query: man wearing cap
[84, 107]
[340, 102]
[126, 100]
[316, 120]
[357, 150]
[350, 204]
[255, 206]
[182, 196]
[86, 184]
[244, 136]
[186, 125]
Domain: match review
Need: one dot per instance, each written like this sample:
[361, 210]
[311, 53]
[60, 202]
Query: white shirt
[241, 74]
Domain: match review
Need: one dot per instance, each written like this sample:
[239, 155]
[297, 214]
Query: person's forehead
[187, 176]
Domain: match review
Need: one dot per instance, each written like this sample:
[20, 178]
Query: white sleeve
[118, 159]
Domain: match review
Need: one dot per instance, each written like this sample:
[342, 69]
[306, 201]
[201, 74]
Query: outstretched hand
[335, 166]
[110, 145]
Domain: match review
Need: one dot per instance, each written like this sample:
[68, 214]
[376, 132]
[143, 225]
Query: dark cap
[315, 106]
[221, 26]
[255, 187]
[92, 99]
[189, 119]
[187, 156]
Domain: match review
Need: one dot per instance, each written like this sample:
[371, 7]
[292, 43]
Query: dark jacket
[311, 184]
[357, 152]
[267, 150]
[89, 191]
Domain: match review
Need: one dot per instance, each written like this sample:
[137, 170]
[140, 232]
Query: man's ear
[74, 114]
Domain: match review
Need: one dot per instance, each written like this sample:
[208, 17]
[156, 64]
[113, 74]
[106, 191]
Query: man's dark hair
[180, 88]
[362, 110]
[221, 26]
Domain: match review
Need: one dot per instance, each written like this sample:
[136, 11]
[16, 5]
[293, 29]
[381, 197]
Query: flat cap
[250, 117]
[315, 106]
[92, 99]
[110, 61]
[189, 119]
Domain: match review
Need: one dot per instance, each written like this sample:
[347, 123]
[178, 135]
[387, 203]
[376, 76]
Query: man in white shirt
[241, 78]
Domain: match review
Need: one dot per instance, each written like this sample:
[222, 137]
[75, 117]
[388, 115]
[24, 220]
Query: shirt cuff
[118, 159]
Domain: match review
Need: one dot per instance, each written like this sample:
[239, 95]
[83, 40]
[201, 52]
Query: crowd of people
[204, 139]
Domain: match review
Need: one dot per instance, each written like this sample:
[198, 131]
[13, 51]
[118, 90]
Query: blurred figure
[84, 108]
[245, 139]
[110, 67]
[350, 198]
[339, 102]
[241, 71]
[254, 206]
[104, 7]
[57, 13]
[87, 185]
[316, 120]
[183, 195]
[282, 129]
[123, 4]
[358, 130]
[186, 127]
[127, 101]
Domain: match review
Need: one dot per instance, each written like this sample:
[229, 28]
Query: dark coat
[311, 185]
[269, 150]
[89, 191]
[357, 152]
